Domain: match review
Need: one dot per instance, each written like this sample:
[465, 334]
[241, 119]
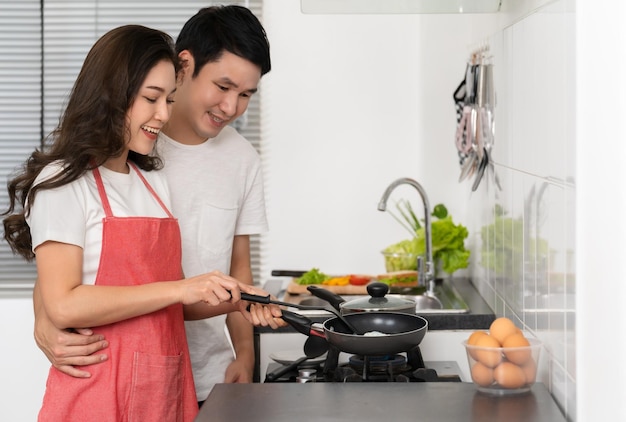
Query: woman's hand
[259, 314]
[212, 288]
[216, 288]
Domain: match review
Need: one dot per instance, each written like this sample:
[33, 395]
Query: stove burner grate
[377, 364]
[391, 368]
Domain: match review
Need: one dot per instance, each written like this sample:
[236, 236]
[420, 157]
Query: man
[216, 185]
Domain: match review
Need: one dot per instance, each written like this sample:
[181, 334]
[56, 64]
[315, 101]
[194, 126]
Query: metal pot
[400, 332]
[377, 301]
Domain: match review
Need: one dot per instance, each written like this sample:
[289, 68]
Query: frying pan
[401, 332]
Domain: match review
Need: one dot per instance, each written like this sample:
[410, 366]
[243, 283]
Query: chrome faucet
[425, 271]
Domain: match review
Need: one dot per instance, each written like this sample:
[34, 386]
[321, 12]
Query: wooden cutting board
[298, 289]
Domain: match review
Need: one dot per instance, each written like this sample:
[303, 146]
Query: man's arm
[241, 331]
[66, 349]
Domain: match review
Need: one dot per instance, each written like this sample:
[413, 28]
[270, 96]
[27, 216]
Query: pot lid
[377, 301]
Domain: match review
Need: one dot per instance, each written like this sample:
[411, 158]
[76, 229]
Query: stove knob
[426, 374]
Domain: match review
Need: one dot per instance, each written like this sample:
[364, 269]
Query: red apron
[148, 374]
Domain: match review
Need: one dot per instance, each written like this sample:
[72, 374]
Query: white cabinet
[446, 345]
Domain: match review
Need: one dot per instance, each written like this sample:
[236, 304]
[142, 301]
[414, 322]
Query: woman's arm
[70, 304]
[66, 349]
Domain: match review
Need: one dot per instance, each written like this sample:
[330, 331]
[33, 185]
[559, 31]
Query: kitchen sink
[451, 300]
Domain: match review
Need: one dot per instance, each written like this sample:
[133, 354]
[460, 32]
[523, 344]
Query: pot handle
[334, 299]
[297, 321]
[287, 273]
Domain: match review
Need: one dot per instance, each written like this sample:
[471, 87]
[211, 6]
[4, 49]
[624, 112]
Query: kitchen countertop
[480, 315]
[435, 401]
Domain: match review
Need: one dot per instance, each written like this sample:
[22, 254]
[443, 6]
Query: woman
[96, 220]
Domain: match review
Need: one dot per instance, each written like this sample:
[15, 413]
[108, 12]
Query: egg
[530, 371]
[517, 356]
[481, 374]
[472, 342]
[501, 328]
[509, 375]
[489, 358]
[474, 336]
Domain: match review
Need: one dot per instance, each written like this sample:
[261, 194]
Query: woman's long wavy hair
[93, 127]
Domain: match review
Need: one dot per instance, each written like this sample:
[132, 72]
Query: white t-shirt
[73, 213]
[217, 192]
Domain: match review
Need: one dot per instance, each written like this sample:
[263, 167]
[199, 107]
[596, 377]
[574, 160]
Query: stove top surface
[395, 370]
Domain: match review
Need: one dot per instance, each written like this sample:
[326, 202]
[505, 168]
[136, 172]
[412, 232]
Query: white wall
[525, 267]
[23, 367]
[601, 206]
[351, 104]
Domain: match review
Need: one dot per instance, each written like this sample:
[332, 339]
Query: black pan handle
[256, 298]
[331, 297]
[297, 321]
[266, 300]
[287, 273]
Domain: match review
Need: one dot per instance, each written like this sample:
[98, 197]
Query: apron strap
[145, 182]
[102, 193]
[105, 200]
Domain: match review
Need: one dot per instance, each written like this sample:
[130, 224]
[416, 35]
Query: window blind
[20, 113]
[43, 45]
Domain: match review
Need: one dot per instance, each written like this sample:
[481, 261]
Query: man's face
[214, 98]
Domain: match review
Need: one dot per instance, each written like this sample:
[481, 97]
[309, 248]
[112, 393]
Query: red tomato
[359, 280]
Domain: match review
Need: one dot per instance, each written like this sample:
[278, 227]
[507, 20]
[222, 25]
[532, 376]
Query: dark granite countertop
[480, 315]
[434, 401]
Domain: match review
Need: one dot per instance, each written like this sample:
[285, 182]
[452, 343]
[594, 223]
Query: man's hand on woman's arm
[66, 349]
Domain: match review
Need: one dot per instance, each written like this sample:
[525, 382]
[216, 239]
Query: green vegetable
[407, 218]
[448, 245]
[503, 248]
[398, 279]
[440, 211]
[313, 276]
[400, 256]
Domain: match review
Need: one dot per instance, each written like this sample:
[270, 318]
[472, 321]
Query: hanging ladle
[267, 300]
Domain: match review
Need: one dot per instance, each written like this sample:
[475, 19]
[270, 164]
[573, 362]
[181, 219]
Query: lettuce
[502, 248]
[313, 276]
[448, 243]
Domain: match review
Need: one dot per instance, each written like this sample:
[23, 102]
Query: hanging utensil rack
[475, 101]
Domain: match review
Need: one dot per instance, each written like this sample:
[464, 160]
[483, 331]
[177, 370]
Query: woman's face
[151, 108]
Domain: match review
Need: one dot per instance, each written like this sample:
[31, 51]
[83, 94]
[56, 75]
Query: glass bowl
[395, 261]
[503, 371]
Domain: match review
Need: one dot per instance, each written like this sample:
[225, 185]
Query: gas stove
[403, 367]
